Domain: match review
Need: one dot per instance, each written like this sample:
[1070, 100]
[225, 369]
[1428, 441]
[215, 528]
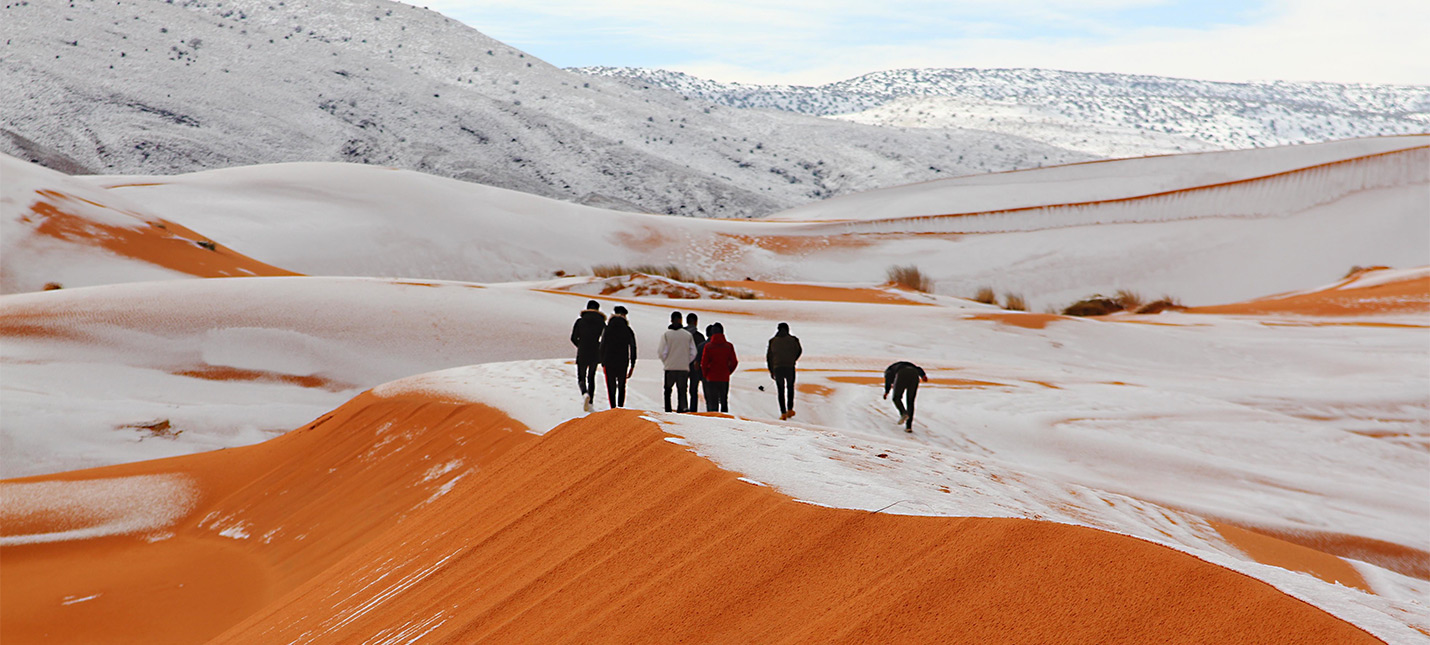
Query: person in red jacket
[717, 363]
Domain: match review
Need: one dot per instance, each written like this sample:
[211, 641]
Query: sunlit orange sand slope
[1375, 290]
[246, 525]
[603, 530]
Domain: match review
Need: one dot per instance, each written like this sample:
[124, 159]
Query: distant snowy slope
[1106, 114]
[154, 87]
[1102, 181]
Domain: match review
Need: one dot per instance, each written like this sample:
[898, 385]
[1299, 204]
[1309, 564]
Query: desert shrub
[910, 277]
[1165, 303]
[742, 294]
[1094, 306]
[1129, 300]
[1014, 302]
[986, 296]
[669, 270]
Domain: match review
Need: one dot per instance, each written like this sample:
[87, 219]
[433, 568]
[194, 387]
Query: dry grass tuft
[1165, 303]
[1094, 306]
[986, 295]
[910, 277]
[674, 273]
[1014, 302]
[1129, 300]
[669, 270]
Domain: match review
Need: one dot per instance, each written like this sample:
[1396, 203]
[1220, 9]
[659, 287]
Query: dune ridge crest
[607, 530]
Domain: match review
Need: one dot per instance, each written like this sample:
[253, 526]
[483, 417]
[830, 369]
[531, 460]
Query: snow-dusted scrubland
[1113, 115]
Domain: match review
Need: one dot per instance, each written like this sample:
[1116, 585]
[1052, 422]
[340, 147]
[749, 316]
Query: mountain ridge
[1214, 115]
[150, 87]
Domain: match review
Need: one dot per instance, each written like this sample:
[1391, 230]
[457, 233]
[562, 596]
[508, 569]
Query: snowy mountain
[1103, 114]
[157, 87]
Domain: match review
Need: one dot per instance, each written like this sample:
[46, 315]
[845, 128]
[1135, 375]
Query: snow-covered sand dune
[1283, 438]
[58, 230]
[405, 517]
[1191, 430]
[1208, 228]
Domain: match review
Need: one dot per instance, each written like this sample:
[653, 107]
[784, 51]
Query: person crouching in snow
[677, 350]
[586, 336]
[618, 356]
[903, 377]
[717, 363]
[780, 356]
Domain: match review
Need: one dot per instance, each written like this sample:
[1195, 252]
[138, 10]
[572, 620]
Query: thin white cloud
[818, 41]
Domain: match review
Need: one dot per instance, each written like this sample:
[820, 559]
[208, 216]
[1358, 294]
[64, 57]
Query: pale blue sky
[819, 41]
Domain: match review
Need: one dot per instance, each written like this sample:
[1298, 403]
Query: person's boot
[590, 407]
[902, 420]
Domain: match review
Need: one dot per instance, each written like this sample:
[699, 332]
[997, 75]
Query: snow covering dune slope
[1207, 229]
[56, 230]
[1098, 181]
[474, 519]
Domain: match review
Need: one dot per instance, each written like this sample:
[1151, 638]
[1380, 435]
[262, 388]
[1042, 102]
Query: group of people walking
[692, 359]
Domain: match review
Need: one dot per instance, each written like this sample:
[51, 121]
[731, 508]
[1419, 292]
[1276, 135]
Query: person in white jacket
[677, 350]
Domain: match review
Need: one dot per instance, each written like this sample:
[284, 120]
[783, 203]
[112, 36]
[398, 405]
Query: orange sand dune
[1404, 296]
[604, 532]
[305, 500]
[156, 241]
[599, 531]
[787, 291]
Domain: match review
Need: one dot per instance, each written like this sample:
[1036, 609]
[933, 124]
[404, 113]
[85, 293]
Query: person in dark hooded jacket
[717, 363]
[904, 378]
[781, 355]
[617, 353]
[586, 336]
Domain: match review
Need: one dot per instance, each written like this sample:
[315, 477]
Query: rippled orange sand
[324, 489]
[600, 531]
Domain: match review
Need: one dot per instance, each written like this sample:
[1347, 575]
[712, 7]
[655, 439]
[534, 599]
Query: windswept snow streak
[58, 511]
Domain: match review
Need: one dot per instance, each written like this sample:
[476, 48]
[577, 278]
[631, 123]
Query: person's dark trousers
[616, 386]
[784, 388]
[679, 379]
[906, 386]
[717, 396]
[695, 381]
[586, 377]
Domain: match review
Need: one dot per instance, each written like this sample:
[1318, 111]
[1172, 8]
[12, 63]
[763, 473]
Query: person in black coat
[692, 325]
[586, 336]
[903, 377]
[617, 354]
[780, 357]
